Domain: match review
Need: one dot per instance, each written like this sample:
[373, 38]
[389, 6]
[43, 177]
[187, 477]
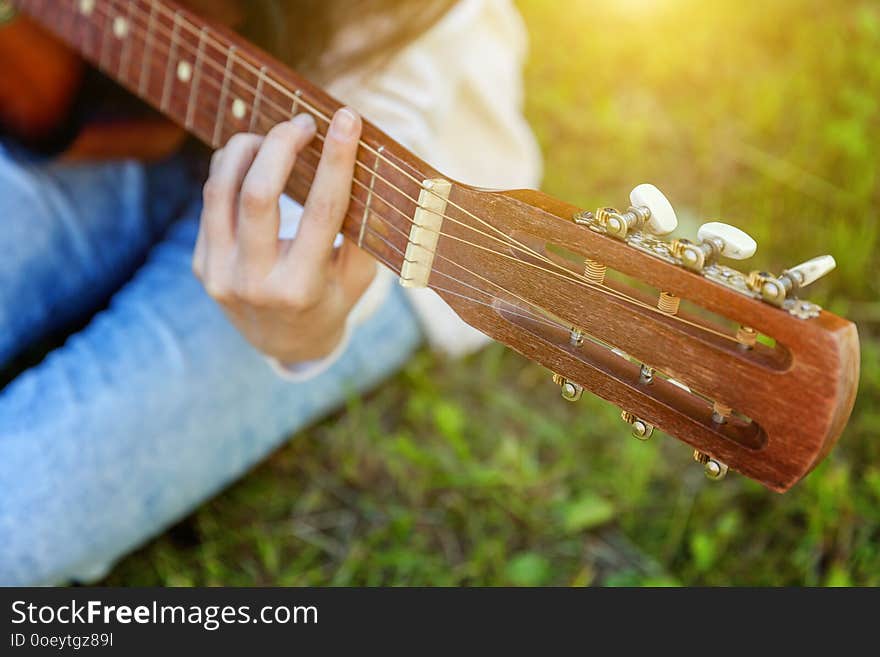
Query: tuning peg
[571, 391]
[810, 271]
[731, 242]
[661, 215]
[776, 289]
[714, 469]
[716, 239]
[650, 210]
[640, 429]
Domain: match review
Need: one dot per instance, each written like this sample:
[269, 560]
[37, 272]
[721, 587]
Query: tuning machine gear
[571, 391]
[716, 240]
[650, 211]
[640, 429]
[776, 289]
[713, 468]
[651, 216]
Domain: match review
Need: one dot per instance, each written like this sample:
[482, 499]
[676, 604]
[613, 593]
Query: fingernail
[305, 121]
[344, 124]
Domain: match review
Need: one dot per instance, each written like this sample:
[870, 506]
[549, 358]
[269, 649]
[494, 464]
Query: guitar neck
[594, 297]
[215, 84]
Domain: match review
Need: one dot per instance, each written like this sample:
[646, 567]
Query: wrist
[316, 349]
[299, 370]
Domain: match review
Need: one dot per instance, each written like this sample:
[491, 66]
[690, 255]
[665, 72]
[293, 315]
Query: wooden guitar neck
[215, 84]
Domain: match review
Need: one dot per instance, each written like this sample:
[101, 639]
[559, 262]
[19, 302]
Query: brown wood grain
[799, 402]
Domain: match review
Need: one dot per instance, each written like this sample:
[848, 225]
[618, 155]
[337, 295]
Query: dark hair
[323, 38]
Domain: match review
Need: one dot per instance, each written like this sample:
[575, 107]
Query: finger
[355, 269]
[330, 193]
[215, 161]
[221, 190]
[259, 214]
[200, 250]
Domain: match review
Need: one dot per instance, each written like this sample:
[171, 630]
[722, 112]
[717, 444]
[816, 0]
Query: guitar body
[39, 81]
[42, 83]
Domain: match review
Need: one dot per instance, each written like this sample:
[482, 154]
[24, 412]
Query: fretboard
[215, 84]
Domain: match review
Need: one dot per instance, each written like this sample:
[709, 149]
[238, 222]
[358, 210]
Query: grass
[763, 114]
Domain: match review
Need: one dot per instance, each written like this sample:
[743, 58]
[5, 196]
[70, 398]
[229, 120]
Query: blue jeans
[158, 403]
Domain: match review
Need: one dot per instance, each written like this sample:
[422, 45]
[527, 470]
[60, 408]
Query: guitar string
[556, 325]
[610, 291]
[567, 275]
[206, 112]
[439, 255]
[533, 317]
[135, 11]
[507, 241]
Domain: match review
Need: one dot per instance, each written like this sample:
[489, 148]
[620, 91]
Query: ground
[762, 114]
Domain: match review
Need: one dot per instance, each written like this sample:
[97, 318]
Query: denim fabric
[158, 403]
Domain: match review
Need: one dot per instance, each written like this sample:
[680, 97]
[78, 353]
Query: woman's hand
[289, 298]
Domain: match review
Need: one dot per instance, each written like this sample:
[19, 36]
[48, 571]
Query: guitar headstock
[733, 363]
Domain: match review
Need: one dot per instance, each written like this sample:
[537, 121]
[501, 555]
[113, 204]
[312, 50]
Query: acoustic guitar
[735, 363]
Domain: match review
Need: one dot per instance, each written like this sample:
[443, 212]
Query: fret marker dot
[86, 6]
[239, 109]
[120, 27]
[184, 71]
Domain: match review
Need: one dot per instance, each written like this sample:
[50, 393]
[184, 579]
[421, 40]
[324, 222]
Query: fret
[105, 36]
[153, 73]
[84, 10]
[272, 108]
[188, 100]
[70, 22]
[217, 89]
[383, 221]
[127, 35]
[205, 105]
[170, 65]
[369, 203]
[383, 250]
[395, 197]
[147, 59]
[237, 105]
[115, 37]
[193, 94]
[224, 93]
[257, 99]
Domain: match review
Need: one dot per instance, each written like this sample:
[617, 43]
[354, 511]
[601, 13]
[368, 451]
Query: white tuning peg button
[733, 243]
[662, 219]
[811, 270]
